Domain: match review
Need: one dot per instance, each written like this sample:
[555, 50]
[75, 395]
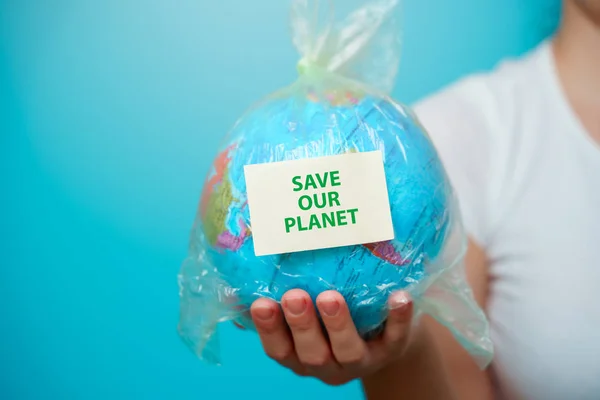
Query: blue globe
[304, 122]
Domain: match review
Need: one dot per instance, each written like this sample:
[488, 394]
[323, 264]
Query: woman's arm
[420, 375]
[435, 366]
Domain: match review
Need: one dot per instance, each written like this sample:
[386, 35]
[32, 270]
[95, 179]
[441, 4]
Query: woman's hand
[343, 357]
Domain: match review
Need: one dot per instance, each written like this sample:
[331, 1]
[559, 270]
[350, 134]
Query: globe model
[302, 124]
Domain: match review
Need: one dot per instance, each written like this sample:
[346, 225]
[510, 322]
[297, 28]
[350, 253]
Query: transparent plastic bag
[339, 104]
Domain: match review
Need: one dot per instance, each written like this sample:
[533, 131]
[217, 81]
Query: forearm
[419, 375]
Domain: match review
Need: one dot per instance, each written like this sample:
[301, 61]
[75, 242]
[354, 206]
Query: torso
[540, 207]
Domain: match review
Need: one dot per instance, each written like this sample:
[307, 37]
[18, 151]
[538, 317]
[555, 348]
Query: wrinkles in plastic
[356, 39]
[348, 66]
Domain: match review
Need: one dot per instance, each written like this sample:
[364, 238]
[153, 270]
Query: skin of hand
[292, 335]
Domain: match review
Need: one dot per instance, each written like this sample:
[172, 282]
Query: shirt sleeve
[458, 120]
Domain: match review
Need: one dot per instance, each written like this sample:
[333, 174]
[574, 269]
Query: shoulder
[484, 101]
[474, 124]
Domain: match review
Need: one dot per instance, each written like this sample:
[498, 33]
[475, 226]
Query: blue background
[110, 113]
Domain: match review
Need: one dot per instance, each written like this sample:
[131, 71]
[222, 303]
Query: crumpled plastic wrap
[339, 104]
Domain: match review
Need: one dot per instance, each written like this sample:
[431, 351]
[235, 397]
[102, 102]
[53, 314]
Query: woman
[522, 147]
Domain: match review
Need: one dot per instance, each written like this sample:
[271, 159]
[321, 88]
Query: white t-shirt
[527, 175]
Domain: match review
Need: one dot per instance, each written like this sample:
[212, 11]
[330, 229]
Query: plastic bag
[339, 104]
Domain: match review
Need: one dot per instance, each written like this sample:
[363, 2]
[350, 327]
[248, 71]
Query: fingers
[292, 335]
[273, 333]
[394, 338]
[348, 348]
[399, 319]
[312, 348]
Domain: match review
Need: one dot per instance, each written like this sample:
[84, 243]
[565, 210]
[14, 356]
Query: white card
[318, 203]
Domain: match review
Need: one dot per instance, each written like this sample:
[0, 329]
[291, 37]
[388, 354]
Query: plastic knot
[304, 66]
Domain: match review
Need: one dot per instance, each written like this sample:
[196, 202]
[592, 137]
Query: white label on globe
[318, 203]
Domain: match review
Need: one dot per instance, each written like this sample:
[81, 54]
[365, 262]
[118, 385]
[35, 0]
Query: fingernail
[330, 307]
[399, 301]
[239, 325]
[295, 306]
[264, 313]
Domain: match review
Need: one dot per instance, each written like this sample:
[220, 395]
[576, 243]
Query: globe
[305, 122]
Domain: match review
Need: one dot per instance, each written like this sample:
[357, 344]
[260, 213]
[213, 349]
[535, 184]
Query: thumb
[399, 320]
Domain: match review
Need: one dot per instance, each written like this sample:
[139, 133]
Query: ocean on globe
[308, 123]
